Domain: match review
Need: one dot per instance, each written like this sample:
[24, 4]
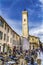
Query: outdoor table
[15, 59]
[35, 63]
[18, 56]
[10, 63]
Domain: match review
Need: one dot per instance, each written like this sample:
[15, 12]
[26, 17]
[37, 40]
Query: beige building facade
[8, 37]
[34, 42]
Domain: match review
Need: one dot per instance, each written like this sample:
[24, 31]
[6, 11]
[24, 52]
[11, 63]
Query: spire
[25, 9]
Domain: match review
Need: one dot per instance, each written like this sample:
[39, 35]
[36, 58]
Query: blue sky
[11, 11]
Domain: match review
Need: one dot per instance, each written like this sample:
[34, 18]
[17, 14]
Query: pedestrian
[32, 61]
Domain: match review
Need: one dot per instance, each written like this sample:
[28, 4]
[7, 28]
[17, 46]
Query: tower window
[24, 19]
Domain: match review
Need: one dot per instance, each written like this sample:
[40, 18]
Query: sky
[11, 11]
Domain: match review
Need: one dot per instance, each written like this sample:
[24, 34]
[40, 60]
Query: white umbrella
[11, 62]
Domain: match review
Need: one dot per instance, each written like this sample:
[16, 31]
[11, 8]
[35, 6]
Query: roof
[2, 19]
[33, 36]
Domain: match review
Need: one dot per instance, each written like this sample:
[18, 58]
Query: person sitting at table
[27, 57]
[32, 62]
[22, 61]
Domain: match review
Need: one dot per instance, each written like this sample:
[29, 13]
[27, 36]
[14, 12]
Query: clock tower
[25, 24]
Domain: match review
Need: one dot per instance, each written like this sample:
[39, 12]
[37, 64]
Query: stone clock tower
[25, 24]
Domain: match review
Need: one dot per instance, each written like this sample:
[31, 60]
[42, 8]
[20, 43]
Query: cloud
[37, 31]
[41, 4]
[15, 25]
[41, 1]
[11, 11]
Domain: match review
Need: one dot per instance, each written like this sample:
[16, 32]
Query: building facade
[8, 37]
[34, 42]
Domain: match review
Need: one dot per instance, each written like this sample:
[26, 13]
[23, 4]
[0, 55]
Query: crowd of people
[27, 57]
